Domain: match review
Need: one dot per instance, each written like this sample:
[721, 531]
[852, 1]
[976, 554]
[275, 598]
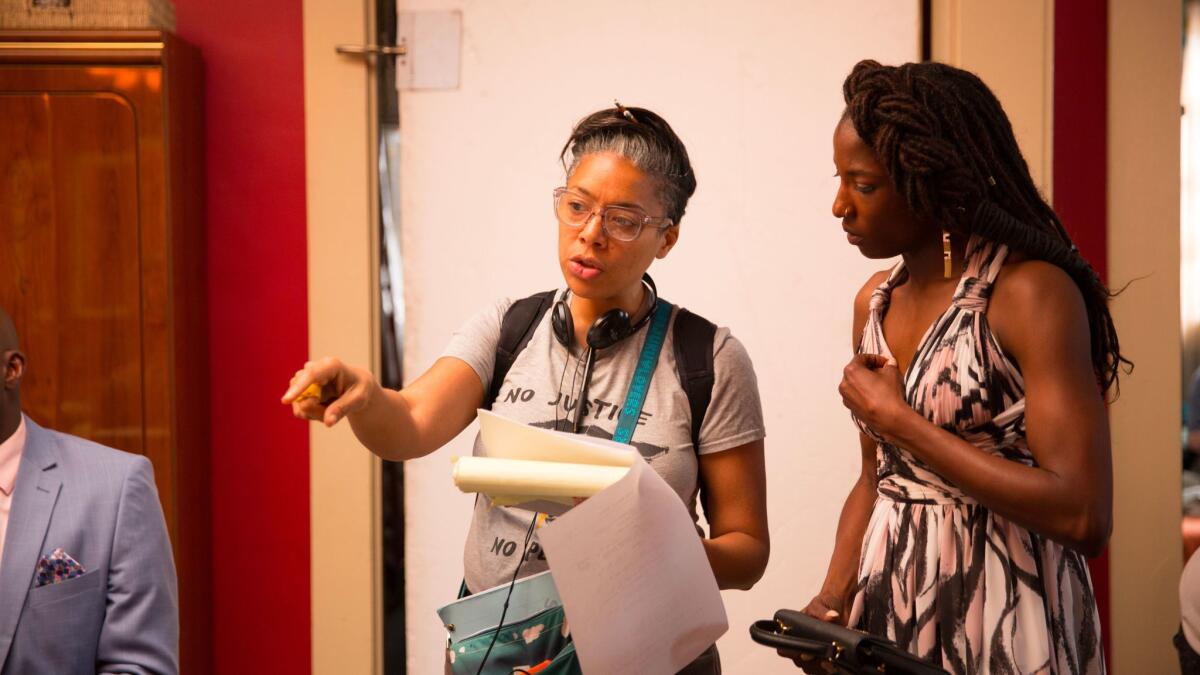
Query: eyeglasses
[619, 222]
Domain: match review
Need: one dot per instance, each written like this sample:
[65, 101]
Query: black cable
[582, 397]
[513, 583]
[562, 378]
[590, 358]
[574, 377]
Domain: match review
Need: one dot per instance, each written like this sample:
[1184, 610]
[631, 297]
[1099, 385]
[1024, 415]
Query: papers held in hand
[630, 569]
[525, 464]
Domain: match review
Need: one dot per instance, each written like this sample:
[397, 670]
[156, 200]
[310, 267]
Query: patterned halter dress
[940, 574]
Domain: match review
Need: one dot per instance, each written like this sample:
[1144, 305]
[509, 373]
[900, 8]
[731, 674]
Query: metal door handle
[363, 50]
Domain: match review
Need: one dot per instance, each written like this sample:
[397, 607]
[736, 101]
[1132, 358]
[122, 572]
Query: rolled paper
[507, 479]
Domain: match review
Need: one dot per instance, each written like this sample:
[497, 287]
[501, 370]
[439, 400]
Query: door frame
[342, 198]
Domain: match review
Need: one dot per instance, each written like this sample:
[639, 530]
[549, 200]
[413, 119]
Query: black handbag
[848, 651]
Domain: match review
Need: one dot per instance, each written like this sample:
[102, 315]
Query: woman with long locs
[982, 361]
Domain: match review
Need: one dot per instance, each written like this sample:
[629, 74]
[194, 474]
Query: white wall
[754, 89]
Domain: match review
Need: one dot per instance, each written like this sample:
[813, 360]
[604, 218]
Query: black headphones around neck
[608, 329]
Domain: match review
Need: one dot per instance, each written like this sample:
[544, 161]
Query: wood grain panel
[102, 267]
[27, 47]
[73, 282]
[26, 193]
[184, 116]
[97, 318]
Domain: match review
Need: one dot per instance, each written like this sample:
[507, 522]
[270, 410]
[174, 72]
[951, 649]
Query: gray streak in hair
[648, 142]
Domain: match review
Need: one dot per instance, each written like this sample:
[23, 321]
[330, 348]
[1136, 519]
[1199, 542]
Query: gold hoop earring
[947, 259]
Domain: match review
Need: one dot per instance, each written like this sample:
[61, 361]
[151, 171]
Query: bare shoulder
[1034, 303]
[1035, 287]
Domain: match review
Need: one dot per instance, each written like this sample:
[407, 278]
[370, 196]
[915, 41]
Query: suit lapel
[36, 492]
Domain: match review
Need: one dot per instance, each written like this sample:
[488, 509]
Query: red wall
[1081, 163]
[254, 126]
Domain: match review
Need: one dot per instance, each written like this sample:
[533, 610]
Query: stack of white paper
[525, 464]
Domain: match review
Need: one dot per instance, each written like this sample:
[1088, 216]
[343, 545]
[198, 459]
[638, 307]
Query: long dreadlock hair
[951, 152]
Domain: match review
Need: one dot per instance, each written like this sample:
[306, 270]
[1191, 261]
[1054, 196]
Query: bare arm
[1041, 321]
[841, 579]
[735, 482]
[395, 425]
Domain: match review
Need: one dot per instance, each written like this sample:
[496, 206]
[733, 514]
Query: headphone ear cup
[562, 323]
[609, 329]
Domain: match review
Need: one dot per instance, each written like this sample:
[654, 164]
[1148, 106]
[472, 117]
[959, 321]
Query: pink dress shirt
[10, 460]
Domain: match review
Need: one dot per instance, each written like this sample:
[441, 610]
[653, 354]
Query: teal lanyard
[640, 384]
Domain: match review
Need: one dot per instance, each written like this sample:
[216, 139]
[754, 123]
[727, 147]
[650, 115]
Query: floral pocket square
[56, 567]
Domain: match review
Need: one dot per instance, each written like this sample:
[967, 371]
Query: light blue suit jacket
[100, 506]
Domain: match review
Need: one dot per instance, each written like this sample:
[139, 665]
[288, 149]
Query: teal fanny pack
[534, 639]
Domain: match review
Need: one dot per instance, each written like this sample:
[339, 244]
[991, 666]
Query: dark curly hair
[951, 152]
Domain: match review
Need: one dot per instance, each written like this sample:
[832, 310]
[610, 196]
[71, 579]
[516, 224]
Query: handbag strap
[635, 397]
[767, 632]
[772, 634]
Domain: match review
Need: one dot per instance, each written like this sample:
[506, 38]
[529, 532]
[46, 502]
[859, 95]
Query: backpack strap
[516, 329]
[694, 358]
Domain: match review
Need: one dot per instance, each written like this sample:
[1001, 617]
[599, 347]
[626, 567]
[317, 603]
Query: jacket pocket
[88, 582]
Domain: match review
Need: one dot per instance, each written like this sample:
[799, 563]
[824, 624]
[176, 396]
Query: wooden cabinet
[102, 263]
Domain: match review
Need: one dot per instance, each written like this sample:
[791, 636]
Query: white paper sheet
[510, 439]
[638, 591]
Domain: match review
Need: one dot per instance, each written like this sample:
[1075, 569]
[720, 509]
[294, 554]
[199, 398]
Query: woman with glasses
[628, 181]
[982, 360]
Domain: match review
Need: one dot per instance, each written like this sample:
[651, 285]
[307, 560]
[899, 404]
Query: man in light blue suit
[87, 580]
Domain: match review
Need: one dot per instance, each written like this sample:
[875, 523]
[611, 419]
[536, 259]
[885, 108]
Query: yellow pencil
[311, 391]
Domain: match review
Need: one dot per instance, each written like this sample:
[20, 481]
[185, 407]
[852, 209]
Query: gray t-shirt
[541, 389]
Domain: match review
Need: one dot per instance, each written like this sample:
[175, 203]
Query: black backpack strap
[694, 358]
[516, 329]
